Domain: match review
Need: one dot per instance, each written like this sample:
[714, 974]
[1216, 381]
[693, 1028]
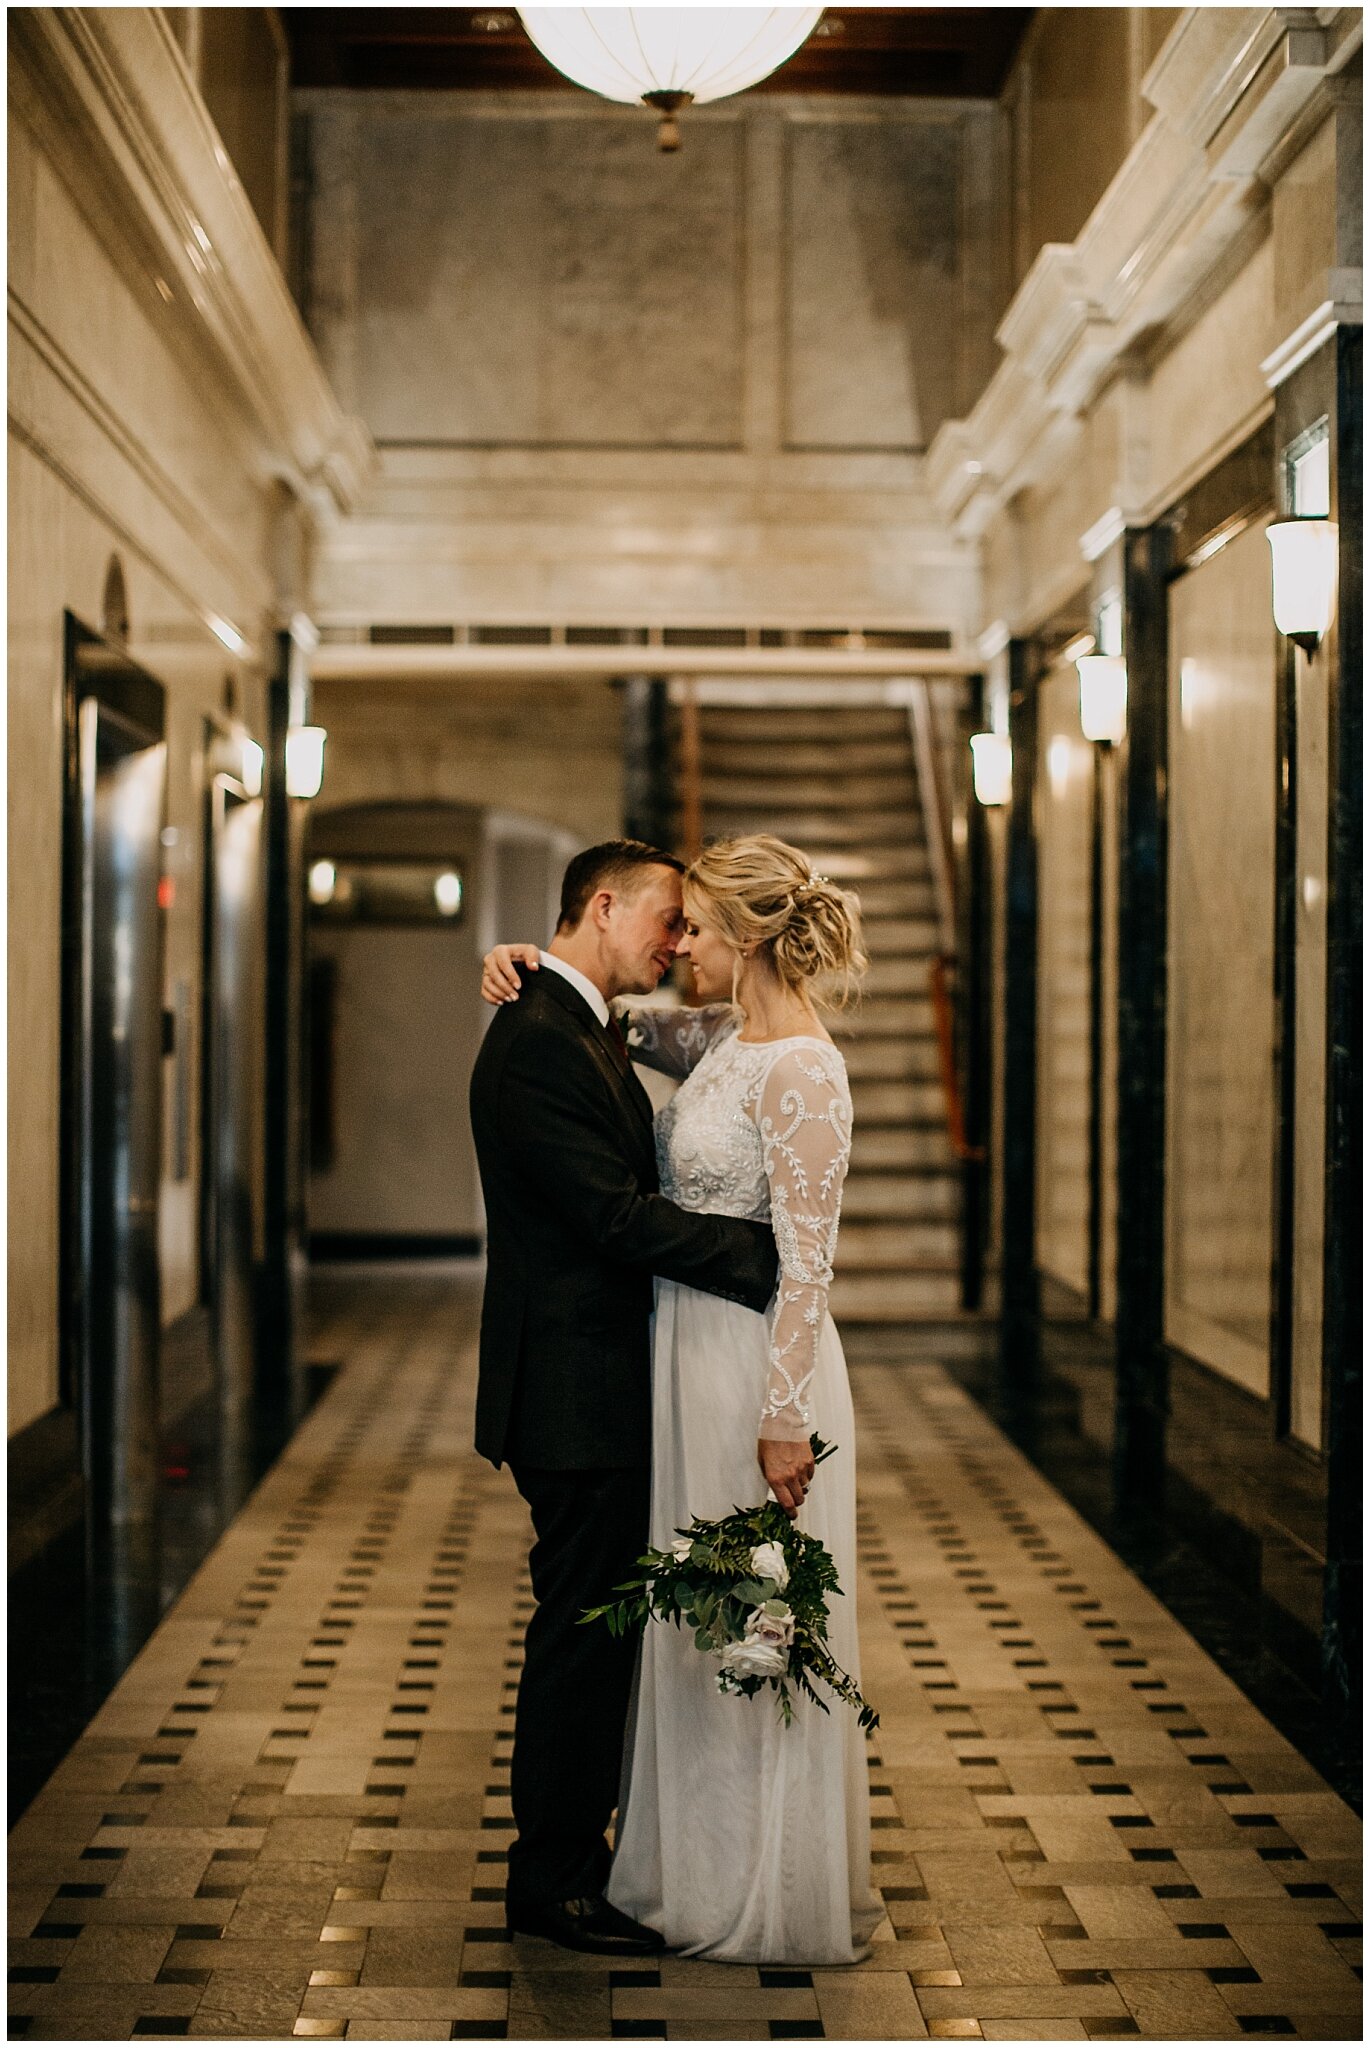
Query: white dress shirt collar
[581, 983]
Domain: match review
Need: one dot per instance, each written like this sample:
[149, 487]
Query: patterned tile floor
[289, 1819]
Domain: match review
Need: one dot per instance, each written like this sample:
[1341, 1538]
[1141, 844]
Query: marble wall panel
[1070, 96]
[1220, 1092]
[1304, 222]
[59, 555]
[1207, 392]
[1065, 835]
[536, 281]
[242, 70]
[874, 252]
[122, 442]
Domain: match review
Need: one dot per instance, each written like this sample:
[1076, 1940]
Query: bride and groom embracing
[738, 1838]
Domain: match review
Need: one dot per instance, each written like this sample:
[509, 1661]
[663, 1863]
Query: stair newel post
[1020, 1306]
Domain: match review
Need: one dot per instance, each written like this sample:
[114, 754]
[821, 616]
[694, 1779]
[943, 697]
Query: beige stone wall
[549, 750]
[134, 433]
[242, 71]
[610, 386]
[1075, 108]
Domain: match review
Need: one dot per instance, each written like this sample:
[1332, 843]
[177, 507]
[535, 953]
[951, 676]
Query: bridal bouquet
[753, 1588]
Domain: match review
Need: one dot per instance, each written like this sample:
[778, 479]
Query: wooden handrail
[946, 1059]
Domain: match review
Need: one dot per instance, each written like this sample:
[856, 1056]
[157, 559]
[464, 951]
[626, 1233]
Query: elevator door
[229, 1086]
[114, 1075]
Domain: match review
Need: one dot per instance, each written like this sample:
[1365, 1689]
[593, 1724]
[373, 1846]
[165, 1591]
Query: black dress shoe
[590, 1924]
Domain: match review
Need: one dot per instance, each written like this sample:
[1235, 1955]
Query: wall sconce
[1103, 698]
[992, 766]
[1304, 566]
[323, 882]
[304, 760]
[448, 892]
[252, 767]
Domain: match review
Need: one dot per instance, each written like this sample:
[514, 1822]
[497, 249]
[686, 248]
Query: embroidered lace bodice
[762, 1131]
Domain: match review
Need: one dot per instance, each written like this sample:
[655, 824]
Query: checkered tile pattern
[290, 1819]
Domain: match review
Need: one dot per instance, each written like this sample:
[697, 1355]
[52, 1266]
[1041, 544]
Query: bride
[740, 1839]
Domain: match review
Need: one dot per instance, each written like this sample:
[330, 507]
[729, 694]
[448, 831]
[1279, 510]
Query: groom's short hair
[616, 864]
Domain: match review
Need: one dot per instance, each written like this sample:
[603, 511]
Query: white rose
[768, 1562]
[770, 1628]
[753, 1658]
[681, 1548]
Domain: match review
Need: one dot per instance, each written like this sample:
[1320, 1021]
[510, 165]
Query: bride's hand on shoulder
[788, 1469]
[499, 983]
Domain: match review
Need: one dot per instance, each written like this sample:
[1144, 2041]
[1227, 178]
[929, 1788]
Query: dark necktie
[617, 1040]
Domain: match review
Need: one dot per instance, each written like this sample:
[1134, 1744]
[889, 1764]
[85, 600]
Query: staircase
[840, 784]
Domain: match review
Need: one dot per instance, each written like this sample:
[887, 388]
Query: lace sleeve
[803, 1111]
[674, 1041]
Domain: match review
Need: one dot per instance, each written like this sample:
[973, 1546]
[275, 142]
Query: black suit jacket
[576, 1228]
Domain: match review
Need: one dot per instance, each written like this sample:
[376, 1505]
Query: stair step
[901, 974]
[821, 725]
[901, 1198]
[924, 1295]
[880, 1016]
[723, 754]
[886, 1059]
[853, 797]
[884, 1149]
[894, 898]
[875, 1103]
[815, 832]
[895, 1247]
[888, 938]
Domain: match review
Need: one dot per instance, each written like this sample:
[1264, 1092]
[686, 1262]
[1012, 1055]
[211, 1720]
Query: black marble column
[1019, 1324]
[1343, 1279]
[275, 1320]
[646, 760]
[1140, 1392]
[974, 985]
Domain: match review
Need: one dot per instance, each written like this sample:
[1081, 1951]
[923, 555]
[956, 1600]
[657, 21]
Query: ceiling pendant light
[667, 58]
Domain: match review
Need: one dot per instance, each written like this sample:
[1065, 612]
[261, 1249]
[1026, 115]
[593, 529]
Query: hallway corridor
[290, 1817]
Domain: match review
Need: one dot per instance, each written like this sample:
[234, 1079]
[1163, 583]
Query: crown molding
[1233, 89]
[127, 130]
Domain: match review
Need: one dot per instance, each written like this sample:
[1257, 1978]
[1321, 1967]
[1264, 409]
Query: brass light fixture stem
[668, 105]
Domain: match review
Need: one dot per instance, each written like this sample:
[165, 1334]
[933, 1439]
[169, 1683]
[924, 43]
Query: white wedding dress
[741, 1839]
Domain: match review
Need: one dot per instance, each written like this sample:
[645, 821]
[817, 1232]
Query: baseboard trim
[47, 1493]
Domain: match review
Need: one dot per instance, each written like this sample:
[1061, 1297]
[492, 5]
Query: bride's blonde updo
[761, 895]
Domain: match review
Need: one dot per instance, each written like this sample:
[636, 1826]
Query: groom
[575, 1231]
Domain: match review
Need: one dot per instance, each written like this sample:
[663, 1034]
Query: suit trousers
[572, 1713]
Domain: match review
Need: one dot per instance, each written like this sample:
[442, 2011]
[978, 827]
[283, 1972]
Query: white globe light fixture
[667, 58]
[1304, 564]
[304, 760]
[991, 755]
[1103, 698]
